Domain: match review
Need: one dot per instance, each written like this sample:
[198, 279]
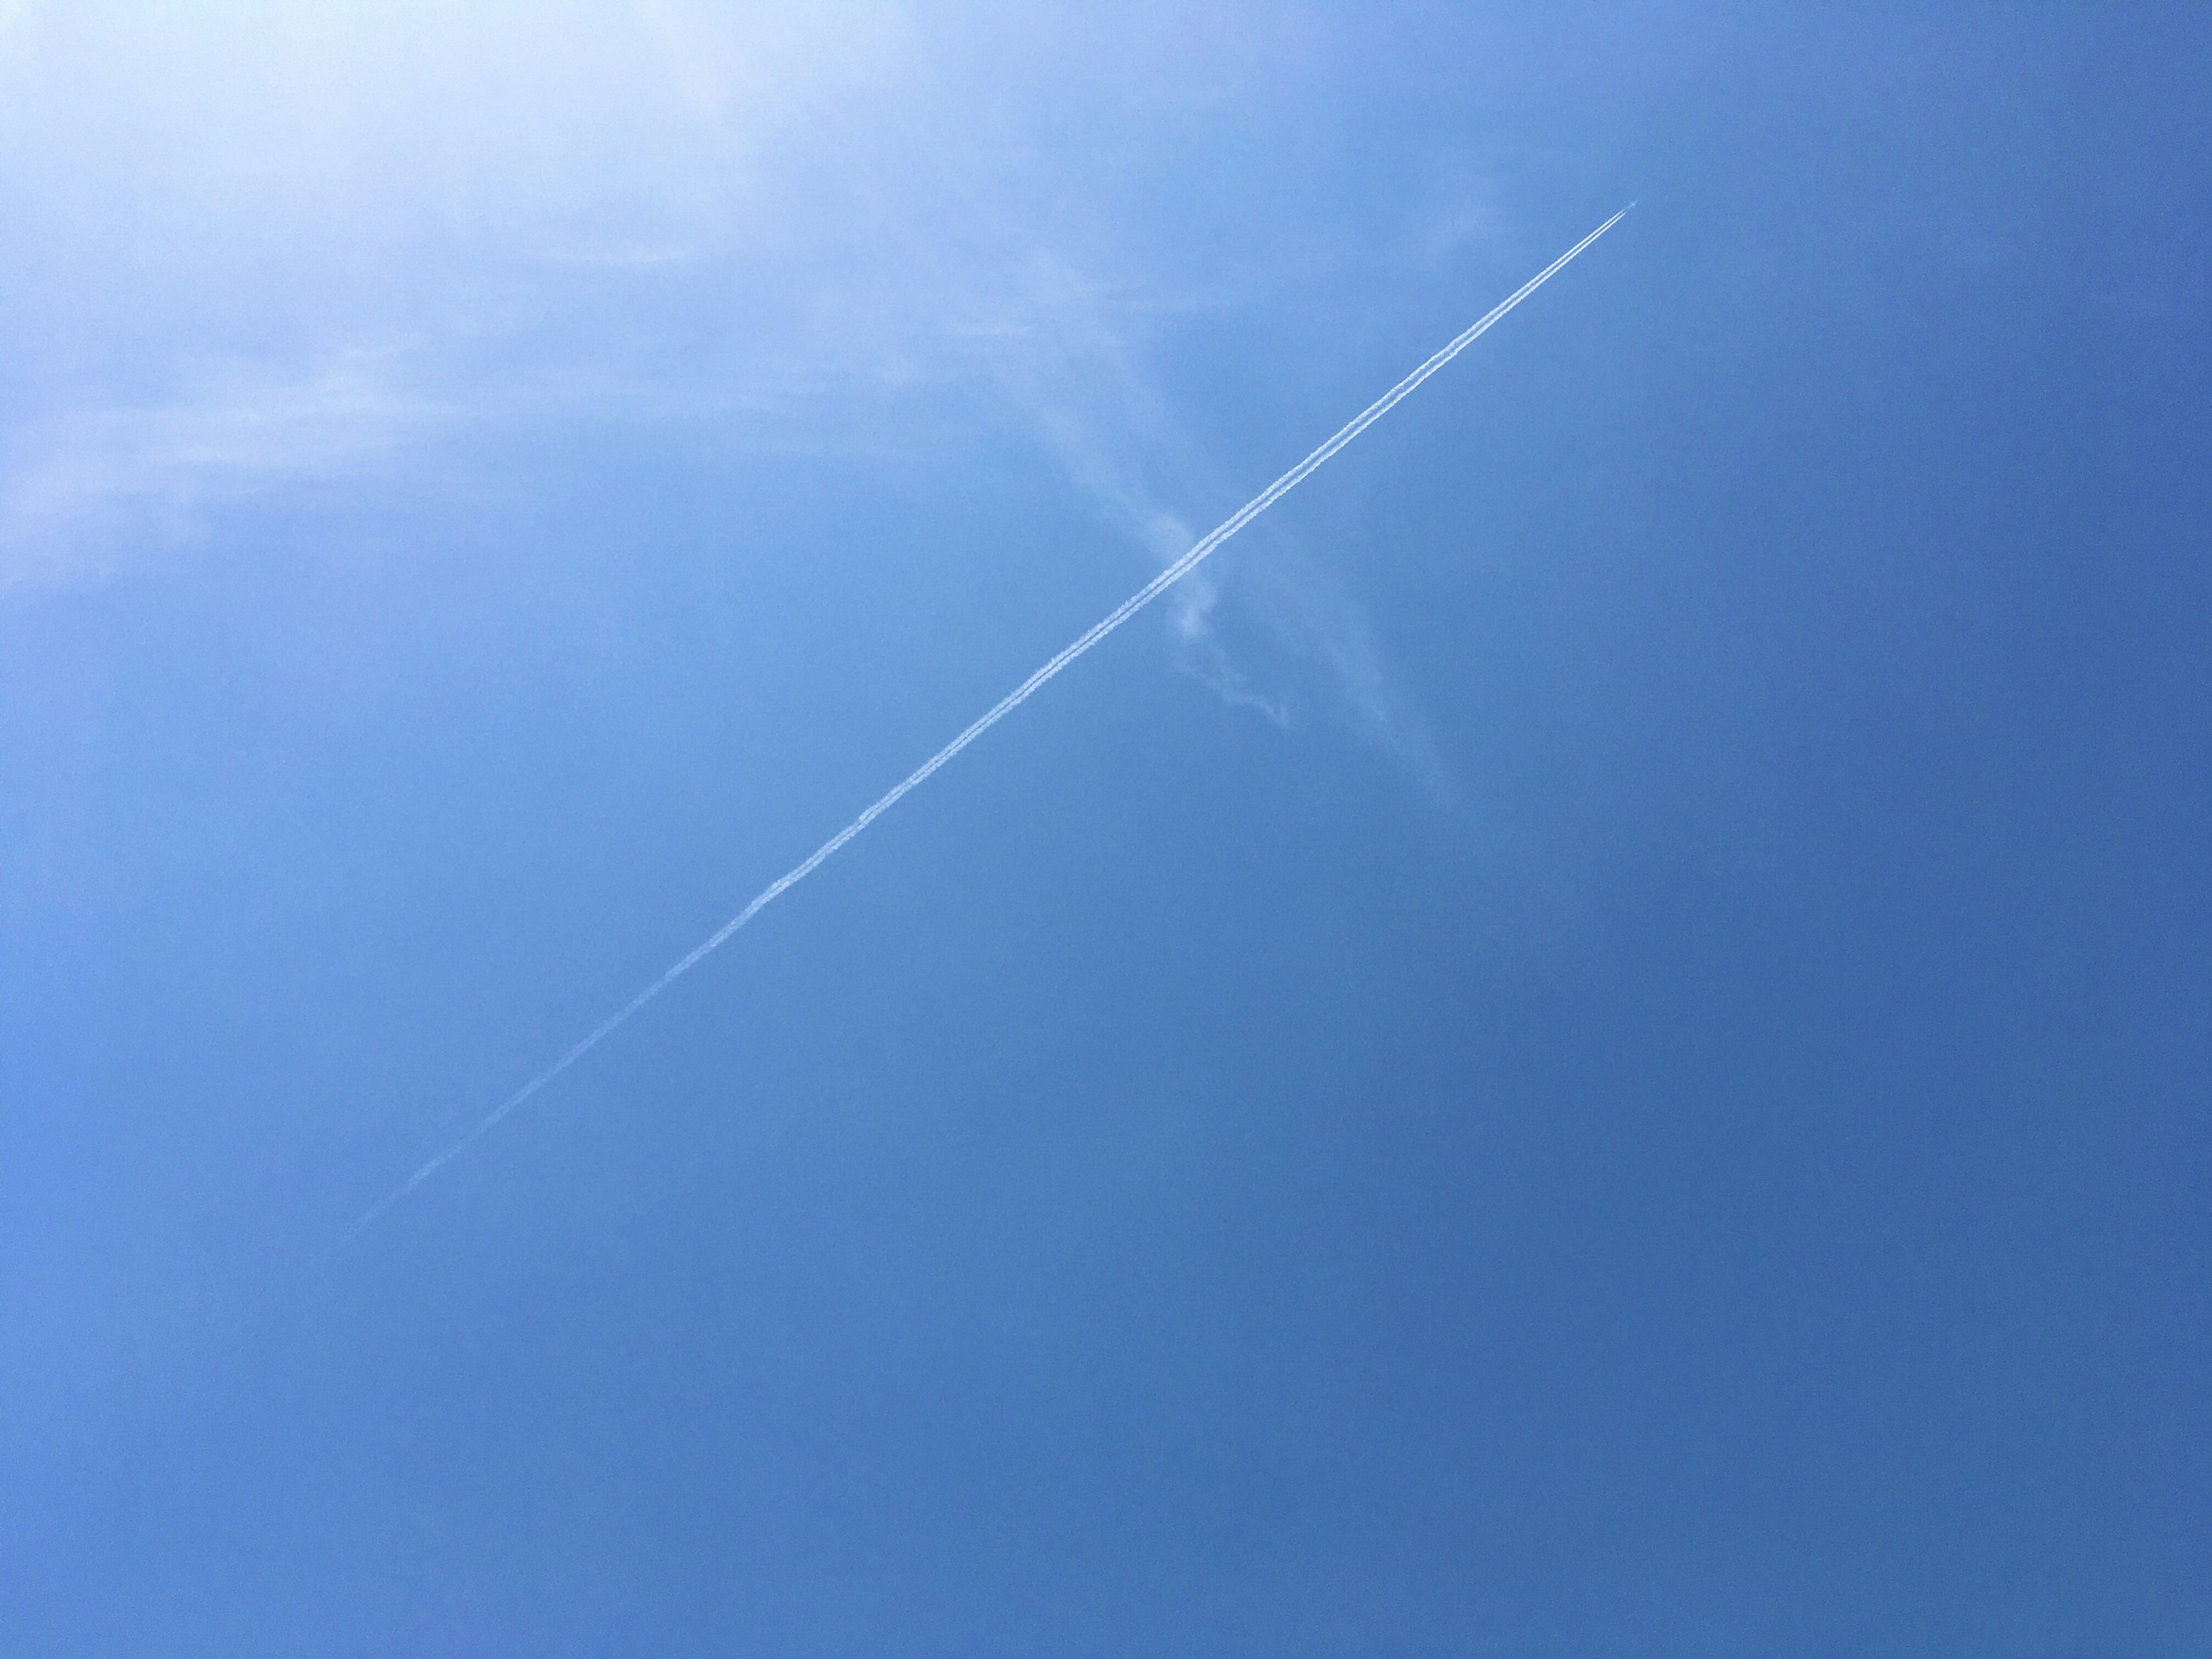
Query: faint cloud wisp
[78, 484]
[1074, 368]
[657, 210]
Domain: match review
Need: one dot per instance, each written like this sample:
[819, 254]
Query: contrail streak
[997, 711]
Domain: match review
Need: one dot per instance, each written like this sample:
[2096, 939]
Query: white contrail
[997, 711]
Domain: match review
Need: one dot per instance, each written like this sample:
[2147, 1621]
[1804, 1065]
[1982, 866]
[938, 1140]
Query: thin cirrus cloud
[80, 485]
[323, 237]
[1117, 438]
[259, 246]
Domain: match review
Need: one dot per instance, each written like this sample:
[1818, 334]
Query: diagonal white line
[997, 711]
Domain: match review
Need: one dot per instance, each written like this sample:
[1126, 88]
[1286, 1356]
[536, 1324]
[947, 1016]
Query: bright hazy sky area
[1593, 1041]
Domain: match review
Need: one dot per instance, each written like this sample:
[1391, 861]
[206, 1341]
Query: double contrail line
[997, 711]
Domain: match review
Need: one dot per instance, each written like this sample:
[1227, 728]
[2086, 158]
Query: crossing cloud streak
[1007, 705]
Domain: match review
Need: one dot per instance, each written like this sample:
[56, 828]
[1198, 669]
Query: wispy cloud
[1075, 363]
[76, 484]
[658, 211]
[221, 217]
[1068, 365]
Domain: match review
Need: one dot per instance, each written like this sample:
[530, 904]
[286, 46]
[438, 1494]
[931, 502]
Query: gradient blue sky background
[1596, 1043]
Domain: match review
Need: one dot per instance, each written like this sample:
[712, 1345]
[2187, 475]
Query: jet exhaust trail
[997, 711]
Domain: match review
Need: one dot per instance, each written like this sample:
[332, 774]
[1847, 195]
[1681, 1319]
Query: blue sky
[1593, 1041]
